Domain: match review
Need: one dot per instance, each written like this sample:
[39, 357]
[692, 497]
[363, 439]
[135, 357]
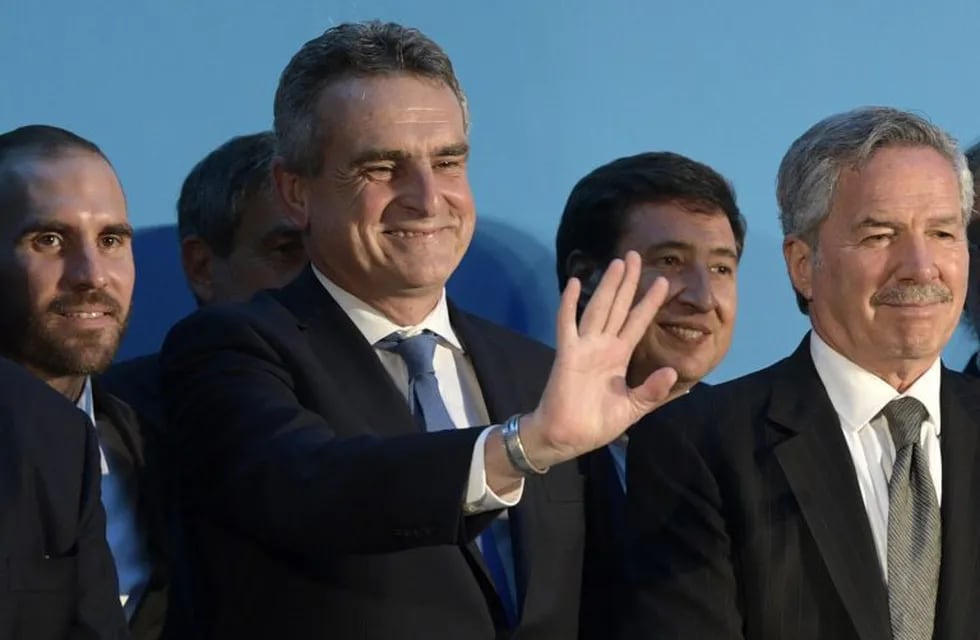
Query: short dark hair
[596, 212]
[216, 190]
[36, 141]
[348, 50]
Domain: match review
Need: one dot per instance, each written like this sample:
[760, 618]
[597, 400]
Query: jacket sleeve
[255, 460]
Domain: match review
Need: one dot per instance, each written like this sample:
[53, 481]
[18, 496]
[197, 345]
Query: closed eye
[877, 238]
[379, 172]
[449, 163]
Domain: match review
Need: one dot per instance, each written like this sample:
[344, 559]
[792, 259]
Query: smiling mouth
[401, 233]
[685, 333]
[86, 315]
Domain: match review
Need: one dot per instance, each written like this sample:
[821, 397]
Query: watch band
[511, 434]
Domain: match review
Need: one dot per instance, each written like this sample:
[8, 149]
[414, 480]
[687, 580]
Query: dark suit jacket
[316, 508]
[137, 383]
[133, 450]
[56, 574]
[746, 520]
[971, 368]
[605, 587]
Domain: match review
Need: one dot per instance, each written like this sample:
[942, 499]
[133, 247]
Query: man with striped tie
[834, 494]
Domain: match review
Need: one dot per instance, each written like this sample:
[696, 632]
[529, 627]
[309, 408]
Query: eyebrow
[726, 252]
[872, 222]
[396, 155]
[119, 229]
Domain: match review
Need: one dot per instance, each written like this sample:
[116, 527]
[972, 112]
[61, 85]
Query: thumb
[653, 391]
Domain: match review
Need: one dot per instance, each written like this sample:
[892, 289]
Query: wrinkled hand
[587, 402]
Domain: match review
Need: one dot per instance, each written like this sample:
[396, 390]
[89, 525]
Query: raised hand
[587, 402]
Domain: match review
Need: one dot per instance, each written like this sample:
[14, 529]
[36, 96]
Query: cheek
[727, 298]
[124, 275]
[456, 190]
[964, 269]
[39, 280]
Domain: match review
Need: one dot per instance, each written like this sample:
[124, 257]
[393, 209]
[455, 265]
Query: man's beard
[61, 353]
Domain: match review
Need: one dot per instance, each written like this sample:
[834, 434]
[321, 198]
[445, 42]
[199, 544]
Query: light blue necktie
[431, 415]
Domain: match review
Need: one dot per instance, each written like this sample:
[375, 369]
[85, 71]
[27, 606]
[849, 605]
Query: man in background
[234, 241]
[66, 281]
[681, 217]
[972, 309]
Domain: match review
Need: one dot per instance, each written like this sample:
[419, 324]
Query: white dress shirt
[458, 385]
[122, 532]
[858, 397]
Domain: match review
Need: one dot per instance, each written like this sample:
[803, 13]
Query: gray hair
[808, 173]
[348, 50]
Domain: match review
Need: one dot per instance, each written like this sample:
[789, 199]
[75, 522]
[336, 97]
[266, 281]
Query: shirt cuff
[479, 497]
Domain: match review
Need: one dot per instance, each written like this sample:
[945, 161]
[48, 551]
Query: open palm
[587, 402]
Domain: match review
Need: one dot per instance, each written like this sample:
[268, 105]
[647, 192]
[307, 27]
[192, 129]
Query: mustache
[932, 293]
[70, 301]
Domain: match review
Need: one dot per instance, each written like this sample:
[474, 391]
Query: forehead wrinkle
[420, 121]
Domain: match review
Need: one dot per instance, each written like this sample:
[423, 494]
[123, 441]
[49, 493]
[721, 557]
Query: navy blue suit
[57, 576]
[315, 507]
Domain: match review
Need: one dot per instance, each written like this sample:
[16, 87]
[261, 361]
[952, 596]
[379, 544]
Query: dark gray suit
[747, 521]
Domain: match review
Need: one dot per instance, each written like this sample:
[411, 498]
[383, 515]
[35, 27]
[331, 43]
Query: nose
[695, 290]
[85, 268]
[418, 190]
[917, 262]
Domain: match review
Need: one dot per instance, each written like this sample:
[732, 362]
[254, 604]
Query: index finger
[643, 312]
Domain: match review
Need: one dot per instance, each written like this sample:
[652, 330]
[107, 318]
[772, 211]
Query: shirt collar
[374, 326]
[86, 402]
[859, 395]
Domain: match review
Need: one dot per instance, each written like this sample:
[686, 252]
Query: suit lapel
[958, 584]
[971, 368]
[496, 375]
[351, 366]
[812, 451]
[12, 457]
[123, 440]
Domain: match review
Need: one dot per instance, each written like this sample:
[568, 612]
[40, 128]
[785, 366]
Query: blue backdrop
[556, 88]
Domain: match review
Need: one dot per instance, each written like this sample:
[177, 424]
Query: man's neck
[405, 312]
[403, 308]
[635, 378]
[900, 374]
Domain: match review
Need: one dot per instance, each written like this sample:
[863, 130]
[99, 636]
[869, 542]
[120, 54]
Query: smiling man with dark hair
[66, 281]
[681, 217]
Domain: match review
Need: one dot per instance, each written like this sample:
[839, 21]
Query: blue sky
[556, 88]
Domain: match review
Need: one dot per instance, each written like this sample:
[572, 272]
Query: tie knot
[905, 417]
[416, 351]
